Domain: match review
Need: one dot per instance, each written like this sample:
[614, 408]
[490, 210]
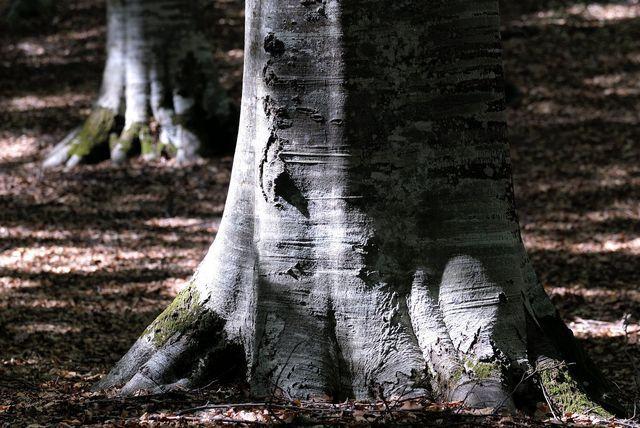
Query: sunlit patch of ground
[88, 257]
[33, 102]
[16, 148]
[594, 12]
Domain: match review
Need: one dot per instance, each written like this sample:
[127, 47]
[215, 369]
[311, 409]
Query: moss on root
[139, 131]
[148, 146]
[171, 150]
[471, 369]
[565, 393]
[457, 375]
[181, 315]
[480, 369]
[94, 131]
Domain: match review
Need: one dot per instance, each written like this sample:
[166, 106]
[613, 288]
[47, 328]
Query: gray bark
[158, 69]
[370, 244]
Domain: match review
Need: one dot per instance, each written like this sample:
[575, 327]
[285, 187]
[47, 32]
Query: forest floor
[89, 257]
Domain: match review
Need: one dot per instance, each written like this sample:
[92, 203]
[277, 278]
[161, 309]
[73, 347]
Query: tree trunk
[160, 76]
[370, 245]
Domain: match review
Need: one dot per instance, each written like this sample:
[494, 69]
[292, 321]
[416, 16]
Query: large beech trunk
[370, 245]
[160, 76]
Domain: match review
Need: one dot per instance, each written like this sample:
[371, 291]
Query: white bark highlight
[60, 152]
[112, 89]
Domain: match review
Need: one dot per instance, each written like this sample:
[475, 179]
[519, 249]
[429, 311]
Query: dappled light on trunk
[370, 246]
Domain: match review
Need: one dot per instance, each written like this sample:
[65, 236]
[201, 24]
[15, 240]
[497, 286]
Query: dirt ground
[89, 257]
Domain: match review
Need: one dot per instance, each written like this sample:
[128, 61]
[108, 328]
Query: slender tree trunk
[159, 75]
[370, 244]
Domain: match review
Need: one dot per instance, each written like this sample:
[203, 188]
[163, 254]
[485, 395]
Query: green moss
[457, 375]
[481, 369]
[171, 150]
[147, 144]
[566, 394]
[181, 315]
[484, 370]
[138, 131]
[473, 370]
[94, 131]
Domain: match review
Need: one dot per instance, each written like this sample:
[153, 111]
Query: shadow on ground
[574, 145]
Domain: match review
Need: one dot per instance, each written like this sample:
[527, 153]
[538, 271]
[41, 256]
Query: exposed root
[82, 141]
[482, 394]
[313, 357]
[563, 393]
[121, 146]
[185, 103]
[183, 347]
[569, 378]
[179, 142]
[175, 141]
[182, 314]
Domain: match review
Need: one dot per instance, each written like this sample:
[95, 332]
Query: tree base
[160, 78]
[187, 347]
[370, 246]
[98, 134]
[82, 142]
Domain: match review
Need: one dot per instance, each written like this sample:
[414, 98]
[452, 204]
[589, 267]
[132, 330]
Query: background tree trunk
[160, 76]
[370, 245]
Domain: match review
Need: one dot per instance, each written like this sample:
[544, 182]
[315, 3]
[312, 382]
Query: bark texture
[159, 77]
[370, 245]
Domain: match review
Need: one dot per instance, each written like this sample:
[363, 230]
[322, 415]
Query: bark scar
[269, 165]
[273, 45]
[276, 183]
[285, 187]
